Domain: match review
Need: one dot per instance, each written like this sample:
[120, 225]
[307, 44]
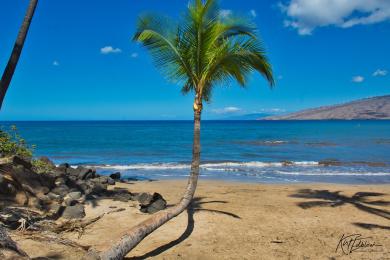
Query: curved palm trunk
[16, 51]
[136, 234]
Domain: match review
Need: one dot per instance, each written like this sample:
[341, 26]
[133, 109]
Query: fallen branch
[7, 243]
[52, 237]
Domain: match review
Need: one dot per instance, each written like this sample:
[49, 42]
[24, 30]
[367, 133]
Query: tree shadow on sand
[361, 200]
[196, 205]
[371, 226]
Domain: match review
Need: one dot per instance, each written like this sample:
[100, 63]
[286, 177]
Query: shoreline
[250, 182]
[235, 220]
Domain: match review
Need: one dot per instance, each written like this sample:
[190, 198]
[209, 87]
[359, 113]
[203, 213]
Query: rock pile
[60, 192]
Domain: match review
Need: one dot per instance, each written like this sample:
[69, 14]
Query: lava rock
[61, 181]
[75, 211]
[115, 176]
[61, 190]
[53, 196]
[151, 203]
[64, 165]
[110, 181]
[144, 198]
[20, 161]
[74, 195]
[73, 172]
[85, 174]
[157, 205]
[6, 187]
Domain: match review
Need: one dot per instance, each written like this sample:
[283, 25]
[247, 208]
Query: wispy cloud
[226, 110]
[357, 79]
[224, 13]
[56, 63]
[109, 49]
[253, 12]
[134, 55]
[379, 73]
[307, 15]
[270, 110]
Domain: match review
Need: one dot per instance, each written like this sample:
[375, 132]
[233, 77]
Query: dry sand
[244, 221]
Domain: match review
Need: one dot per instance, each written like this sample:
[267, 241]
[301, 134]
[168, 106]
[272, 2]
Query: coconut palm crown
[206, 49]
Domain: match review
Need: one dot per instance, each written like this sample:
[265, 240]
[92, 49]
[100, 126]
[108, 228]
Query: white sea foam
[210, 166]
[310, 168]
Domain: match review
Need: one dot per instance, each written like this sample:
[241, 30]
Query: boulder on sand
[151, 203]
[115, 176]
[74, 211]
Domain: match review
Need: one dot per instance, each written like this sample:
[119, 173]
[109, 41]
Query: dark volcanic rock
[6, 186]
[20, 161]
[74, 195]
[115, 176]
[157, 205]
[85, 173]
[54, 196]
[75, 211]
[151, 203]
[61, 190]
[34, 183]
[144, 198]
[73, 172]
[64, 165]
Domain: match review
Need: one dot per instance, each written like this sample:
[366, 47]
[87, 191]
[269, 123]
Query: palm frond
[205, 50]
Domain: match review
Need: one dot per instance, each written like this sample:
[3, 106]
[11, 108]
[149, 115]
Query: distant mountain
[368, 108]
[254, 116]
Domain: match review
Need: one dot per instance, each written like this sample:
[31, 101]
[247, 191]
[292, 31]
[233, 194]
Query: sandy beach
[243, 221]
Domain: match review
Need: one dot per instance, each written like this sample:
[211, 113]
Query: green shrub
[11, 143]
[40, 166]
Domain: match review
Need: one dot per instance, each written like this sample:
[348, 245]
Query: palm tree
[16, 51]
[204, 51]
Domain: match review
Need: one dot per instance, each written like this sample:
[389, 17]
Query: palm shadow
[371, 226]
[196, 205]
[326, 198]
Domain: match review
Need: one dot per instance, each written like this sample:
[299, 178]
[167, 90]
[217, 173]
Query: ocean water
[250, 151]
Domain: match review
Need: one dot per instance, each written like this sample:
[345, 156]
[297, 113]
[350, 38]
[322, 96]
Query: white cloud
[226, 110]
[306, 15]
[357, 79]
[379, 73]
[253, 12]
[224, 13]
[56, 63]
[109, 49]
[134, 55]
[270, 110]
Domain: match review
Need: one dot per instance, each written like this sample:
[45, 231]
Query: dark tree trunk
[136, 234]
[6, 243]
[16, 51]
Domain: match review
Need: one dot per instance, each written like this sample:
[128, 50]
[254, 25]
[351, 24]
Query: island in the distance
[374, 108]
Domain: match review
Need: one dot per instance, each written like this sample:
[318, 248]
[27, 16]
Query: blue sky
[79, 62]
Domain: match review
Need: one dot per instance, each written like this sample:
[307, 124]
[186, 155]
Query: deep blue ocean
[250, 151]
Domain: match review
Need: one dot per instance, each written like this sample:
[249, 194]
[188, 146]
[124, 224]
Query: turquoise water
[231, 150]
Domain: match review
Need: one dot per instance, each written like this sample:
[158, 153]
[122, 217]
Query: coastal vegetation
[11, 143]
[204, 50]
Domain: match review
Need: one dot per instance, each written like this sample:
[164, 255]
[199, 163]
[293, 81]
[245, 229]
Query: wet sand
[243, 221]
